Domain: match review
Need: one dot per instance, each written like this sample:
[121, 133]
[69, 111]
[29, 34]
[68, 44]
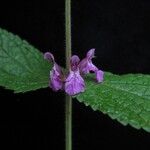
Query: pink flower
[86, 66]
[56, 75]
[74, 83]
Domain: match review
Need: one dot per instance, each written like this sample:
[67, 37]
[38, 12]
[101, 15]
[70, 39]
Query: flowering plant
[23, 68]
[74, 83]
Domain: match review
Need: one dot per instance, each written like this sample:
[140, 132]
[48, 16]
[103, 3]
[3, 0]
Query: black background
[119, 30]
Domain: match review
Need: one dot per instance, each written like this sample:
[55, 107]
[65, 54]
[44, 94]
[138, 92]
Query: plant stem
[68, 105]
[68, 32]
[68, 122]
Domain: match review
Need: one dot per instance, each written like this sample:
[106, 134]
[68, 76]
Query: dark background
[119, 30]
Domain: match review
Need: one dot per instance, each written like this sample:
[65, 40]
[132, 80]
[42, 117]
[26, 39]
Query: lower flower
[74, 83]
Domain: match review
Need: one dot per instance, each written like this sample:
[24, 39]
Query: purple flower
[56, 75]
[99, 75]
[74, 83]
[86, 66]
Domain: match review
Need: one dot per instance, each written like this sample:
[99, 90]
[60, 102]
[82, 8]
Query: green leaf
[125, 98]
[22, 67]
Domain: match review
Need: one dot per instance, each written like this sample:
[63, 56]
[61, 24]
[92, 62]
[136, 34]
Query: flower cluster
[73, 83]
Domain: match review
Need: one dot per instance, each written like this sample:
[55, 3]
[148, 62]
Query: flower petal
[56, 75]
[99, 75]
[49, 56]
[74, 83]
[86, 66]
[90, 54]
[74, 62]
[55, 83]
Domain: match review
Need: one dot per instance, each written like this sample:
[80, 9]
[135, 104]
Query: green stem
[68, 32]
[68, 105]
[68, 122]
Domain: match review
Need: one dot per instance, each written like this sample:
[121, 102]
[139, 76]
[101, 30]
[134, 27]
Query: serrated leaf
[22, 67]
[125, 98]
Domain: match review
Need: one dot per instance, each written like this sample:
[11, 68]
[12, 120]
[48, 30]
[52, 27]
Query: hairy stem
[68, 123]
[68, 105]
[68, 32]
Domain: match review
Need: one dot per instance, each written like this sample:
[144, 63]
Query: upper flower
[86, 66]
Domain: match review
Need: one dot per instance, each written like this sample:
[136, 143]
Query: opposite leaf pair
[74, 82]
